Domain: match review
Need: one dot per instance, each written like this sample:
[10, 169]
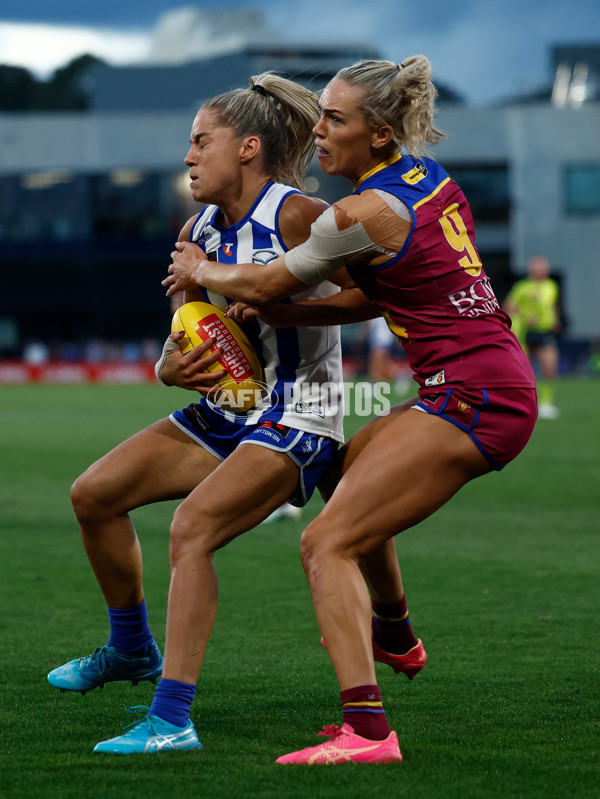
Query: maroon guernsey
[435, 294]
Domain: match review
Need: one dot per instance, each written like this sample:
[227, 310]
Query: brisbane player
[406, 236]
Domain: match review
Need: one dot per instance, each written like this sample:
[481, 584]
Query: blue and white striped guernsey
[302, 365]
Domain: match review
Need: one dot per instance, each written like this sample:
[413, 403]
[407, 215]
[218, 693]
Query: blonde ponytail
[399, 95]
[282, 114]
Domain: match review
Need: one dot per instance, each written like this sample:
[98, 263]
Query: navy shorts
[499, 421]
[311, 452]
[538, 338]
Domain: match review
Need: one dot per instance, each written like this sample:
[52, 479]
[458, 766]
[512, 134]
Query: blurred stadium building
[91, 201]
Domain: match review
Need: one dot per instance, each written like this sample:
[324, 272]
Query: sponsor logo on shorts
[436, 380]
[280, 428]
[269, 433]
[195, 417]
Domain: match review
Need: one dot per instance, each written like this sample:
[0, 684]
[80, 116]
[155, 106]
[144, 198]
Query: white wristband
[169, 347]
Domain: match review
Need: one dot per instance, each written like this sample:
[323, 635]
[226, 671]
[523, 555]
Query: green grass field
[502, 586]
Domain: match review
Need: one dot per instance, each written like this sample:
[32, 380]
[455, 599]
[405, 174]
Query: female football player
[406, 236]
[232, 469]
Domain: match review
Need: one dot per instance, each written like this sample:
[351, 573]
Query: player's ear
[249, 149]
[382, 136]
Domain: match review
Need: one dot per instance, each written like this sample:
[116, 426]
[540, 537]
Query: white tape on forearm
[327, 249]
[169, 347]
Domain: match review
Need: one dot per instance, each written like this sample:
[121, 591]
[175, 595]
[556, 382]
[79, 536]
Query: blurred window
[44, 205]
[486, 187]
[582, 189]
[132, 203]
[61, 206]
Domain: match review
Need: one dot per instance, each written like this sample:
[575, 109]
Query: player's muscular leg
[426, 461]
[352, 449]
[156, 464]
[237, 496]
[380, 568]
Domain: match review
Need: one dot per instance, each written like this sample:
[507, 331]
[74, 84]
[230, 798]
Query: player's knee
[314, 544]
[326, 543]
[188, 536]
[84, 498]
[180, 536]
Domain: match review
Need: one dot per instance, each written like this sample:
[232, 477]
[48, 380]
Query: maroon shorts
[499, 421]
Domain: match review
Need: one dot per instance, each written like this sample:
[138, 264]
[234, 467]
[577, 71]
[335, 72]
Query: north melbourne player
[232, 470]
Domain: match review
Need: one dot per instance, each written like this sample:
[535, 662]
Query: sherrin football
[242, 386]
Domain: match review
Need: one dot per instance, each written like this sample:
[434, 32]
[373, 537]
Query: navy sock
[129, 631]
[172, 701]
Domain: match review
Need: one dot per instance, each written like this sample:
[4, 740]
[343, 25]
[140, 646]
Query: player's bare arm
[346, 307]
[297, 214]
[368, 228]
[187, 371]
[190, 269]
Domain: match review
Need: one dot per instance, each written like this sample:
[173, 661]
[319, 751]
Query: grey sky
[484, 49]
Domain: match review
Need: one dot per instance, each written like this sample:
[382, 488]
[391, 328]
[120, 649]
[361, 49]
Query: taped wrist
[168, 347]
